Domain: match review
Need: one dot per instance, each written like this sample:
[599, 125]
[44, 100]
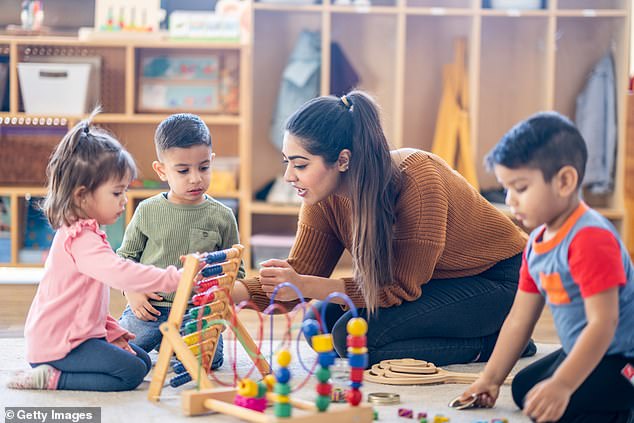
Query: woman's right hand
[487, 392]
[141, 307]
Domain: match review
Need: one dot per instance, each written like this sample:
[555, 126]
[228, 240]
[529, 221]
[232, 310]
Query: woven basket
[23, 162]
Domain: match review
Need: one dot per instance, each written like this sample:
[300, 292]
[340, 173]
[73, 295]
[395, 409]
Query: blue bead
[355, 385]
[178, 367]
[358, 360]
[179, 380]
[282, 375]
[326, 359]
[208, 271]
[310, 328]
[216, 257]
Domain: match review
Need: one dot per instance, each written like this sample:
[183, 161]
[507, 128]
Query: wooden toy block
[195, 403]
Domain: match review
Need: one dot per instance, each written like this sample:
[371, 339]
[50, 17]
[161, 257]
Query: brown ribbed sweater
[444, 229]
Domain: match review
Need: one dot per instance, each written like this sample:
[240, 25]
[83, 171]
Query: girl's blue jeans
[97, 365]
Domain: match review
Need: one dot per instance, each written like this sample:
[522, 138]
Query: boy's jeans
[149, 336]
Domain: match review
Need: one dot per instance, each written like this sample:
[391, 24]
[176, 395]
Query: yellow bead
[269, 381]
[357, 326]
[322, 343]
[248, 388]
[283, 399]
[284, 358]
[358, 350]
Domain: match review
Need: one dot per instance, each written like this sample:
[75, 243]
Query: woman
[435, 266]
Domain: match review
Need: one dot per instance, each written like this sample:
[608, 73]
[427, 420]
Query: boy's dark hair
[181, 130]
[546, 141]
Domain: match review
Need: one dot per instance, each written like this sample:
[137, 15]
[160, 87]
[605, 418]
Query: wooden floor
[17, 299]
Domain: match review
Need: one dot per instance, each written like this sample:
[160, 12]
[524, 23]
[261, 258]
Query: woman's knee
[340, 335]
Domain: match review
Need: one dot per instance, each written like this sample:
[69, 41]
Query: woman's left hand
[274, 272]
[547, 401]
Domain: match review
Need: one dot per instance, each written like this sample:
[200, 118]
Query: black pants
[454, 321]
[606, 396]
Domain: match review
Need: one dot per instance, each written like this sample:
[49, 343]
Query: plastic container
[224, 175]
[516, 4]
[266, 247]
[43, 85]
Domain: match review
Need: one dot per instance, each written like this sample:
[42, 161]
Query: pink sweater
[71, 303]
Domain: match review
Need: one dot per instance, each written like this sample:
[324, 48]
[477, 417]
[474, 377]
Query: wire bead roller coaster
[213, 276]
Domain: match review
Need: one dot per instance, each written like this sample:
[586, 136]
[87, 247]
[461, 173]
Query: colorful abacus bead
[255, 404]
[205, 284]
[248, 388]
[357, 357]
[324, 348]
[203, 298]
[282, 389]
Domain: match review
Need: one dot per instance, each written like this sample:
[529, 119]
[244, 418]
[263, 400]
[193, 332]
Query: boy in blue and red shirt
[574, 262]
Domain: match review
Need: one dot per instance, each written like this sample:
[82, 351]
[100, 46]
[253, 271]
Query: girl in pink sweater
[72, 342]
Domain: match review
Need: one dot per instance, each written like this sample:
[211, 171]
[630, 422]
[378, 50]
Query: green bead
[323, 374]
[262, 389]
[282, 409]
[376, 415]
[322, 402]
[282, 388]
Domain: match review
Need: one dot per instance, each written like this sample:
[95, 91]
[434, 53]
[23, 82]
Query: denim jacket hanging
[597, 121]
[300, 82]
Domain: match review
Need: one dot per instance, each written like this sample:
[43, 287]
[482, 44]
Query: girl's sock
[41, 377]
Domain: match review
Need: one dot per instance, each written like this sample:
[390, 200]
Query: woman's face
[314, 179]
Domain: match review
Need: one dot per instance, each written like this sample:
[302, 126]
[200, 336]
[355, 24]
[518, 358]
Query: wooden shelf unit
[518, 61]
[119, 74]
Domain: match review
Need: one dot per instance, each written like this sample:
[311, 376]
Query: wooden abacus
[221, 269]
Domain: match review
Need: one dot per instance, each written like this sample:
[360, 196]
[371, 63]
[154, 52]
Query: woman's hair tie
[346, 102]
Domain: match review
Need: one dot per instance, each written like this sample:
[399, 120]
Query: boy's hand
[141, 307]
[122, 342]
[547, 401]
[487, 392]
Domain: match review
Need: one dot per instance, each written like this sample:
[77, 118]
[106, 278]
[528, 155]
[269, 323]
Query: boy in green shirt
[182, 221]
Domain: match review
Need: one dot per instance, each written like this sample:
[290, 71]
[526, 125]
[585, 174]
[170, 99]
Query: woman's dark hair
[326, 126]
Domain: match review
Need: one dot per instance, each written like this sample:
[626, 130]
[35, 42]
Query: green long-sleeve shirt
[160, 232]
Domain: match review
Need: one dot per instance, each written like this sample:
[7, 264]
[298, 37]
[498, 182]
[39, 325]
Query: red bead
[353, 396]
[356, 341]
[204, 298]
[356, 374]
[324, 389]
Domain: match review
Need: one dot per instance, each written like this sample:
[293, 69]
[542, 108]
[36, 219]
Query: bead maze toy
[408, 371]
[249, 400]
[196, 349]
